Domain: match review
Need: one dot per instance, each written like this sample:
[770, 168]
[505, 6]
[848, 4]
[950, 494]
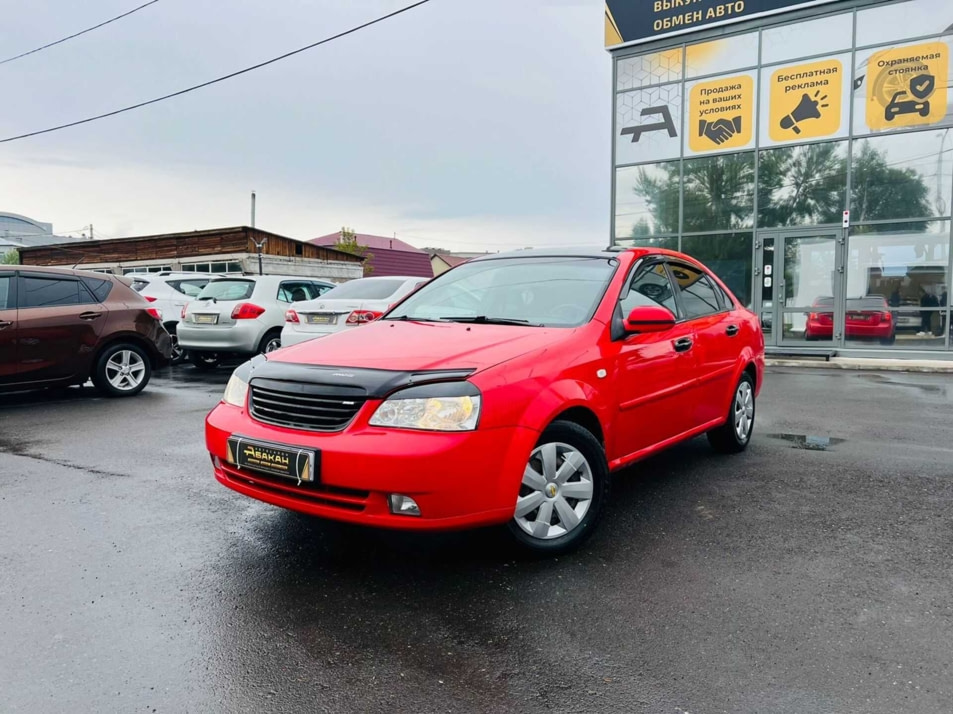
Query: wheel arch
[127, 338]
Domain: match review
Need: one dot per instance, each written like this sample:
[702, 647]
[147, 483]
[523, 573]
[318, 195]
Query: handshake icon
[720, 130]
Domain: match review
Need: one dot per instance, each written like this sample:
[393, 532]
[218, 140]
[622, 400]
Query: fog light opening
[403, 505]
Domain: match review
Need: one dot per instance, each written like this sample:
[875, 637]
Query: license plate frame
[293, 463]
[205, 319]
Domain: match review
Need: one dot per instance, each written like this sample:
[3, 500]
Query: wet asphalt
[811, 574]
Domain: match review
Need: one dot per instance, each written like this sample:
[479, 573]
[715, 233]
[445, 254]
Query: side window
[6, 292]
[697, 293]
[51, 292]
[319, 289]
[295, 292]
[650, 287]
[99, 288]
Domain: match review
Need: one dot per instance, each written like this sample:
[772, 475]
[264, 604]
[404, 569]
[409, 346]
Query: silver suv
[241, 315]
[169, 292]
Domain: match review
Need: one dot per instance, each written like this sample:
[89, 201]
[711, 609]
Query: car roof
[62, 271]
[581, 252]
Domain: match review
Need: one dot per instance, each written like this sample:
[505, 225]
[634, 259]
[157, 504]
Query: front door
[8, 328]
[798, 288]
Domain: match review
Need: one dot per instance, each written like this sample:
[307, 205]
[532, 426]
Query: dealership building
[802, 150]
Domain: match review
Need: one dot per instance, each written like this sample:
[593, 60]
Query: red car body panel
[638, 393]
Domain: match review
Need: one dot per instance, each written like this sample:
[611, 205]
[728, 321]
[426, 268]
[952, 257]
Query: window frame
[81, 290]
[669, 263]
[12, 290]
[638, 268]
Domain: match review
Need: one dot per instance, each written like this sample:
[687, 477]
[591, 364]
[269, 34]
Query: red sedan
[503, 392]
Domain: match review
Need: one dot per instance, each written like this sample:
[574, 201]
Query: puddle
[811, 442]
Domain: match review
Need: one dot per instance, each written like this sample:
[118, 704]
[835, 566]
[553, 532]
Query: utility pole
[91, 231]
[252, 209]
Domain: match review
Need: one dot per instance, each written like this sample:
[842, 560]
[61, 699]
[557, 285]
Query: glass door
[806, 285]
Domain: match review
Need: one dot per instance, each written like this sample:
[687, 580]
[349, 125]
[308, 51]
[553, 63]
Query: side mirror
[649, 318]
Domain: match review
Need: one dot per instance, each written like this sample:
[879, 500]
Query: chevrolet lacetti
[505, 391]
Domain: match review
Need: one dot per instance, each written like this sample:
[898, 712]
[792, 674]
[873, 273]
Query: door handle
[731, 330]
[4, 324]
[683, 345]
[89, 315]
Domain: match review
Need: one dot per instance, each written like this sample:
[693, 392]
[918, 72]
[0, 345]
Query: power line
[82, 32]
[220, 79]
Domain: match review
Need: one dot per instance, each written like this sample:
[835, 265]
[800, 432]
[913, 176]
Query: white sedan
[349, 305]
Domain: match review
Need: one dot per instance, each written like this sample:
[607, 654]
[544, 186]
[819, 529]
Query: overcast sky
[469, 124]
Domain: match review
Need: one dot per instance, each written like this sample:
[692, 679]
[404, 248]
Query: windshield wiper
[485, 320]
[411, 318]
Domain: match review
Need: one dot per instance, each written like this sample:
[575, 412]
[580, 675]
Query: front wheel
[561, 495]
[122, 370]
[733, 436]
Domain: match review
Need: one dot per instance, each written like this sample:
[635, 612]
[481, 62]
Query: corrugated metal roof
[387, 256]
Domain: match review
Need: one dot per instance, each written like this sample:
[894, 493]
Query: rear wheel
[564, 486]
[204, 360]
[122, 370]
[733, 436]
[270, 342]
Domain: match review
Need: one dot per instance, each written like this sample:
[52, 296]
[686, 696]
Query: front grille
[298, 405]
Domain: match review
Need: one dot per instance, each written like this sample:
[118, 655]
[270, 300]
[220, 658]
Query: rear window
[139, 285]
[228, 290]
[99, 288]
[191, 288]
[365, 289]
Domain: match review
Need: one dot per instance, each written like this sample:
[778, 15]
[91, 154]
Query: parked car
[170, 292]
[349, 305]
[61, 327]
[241, 315]
[867, 318]
[502, 392]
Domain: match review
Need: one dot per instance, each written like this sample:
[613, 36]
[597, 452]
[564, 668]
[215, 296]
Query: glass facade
[745, 148]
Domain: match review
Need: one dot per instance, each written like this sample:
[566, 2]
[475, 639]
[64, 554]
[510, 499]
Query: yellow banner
[907, 86]
[720, 114]
[805, 101]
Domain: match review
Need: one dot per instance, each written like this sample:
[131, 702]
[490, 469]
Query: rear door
[59, 326]
[8, 327]
[717, 344]
[655, 371]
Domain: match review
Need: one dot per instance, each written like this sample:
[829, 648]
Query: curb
[876, 365]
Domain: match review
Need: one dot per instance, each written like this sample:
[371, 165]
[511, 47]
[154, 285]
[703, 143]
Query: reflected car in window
[62, 327]
[867, 318]
[504, 391]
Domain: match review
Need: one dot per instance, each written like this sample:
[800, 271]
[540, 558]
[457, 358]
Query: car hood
[417, 346]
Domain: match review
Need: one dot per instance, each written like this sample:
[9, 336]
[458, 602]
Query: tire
[734, 435]
[204, 361]
[889, 340]
[541, 496]
[270, 342]
[178, 354]
[122, 370]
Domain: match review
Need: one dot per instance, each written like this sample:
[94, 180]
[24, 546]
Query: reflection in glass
[808, 274]
[729, 256]
[646, 70]
[646, 200]
[718, 193]
[802, 185]
[803, 39]
[900, 21]
[902, 177]
[721, 55]
[647, 124]
[908, 273]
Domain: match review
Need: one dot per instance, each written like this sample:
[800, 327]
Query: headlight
[453, 406]
[236, 391]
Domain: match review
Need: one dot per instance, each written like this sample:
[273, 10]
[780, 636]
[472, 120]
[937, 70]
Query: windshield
[361, 289]
[552, 292]
[228, 290]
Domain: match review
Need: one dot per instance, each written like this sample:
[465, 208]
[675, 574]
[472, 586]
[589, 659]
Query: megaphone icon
[807, 108]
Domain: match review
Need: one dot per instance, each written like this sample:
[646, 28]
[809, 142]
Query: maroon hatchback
[60, 327]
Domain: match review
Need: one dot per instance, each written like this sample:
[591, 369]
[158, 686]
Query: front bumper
[459, 480]
[242, 337]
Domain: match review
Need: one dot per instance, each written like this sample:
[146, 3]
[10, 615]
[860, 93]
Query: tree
[347, 242]
[11, 257]
[881, 191]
